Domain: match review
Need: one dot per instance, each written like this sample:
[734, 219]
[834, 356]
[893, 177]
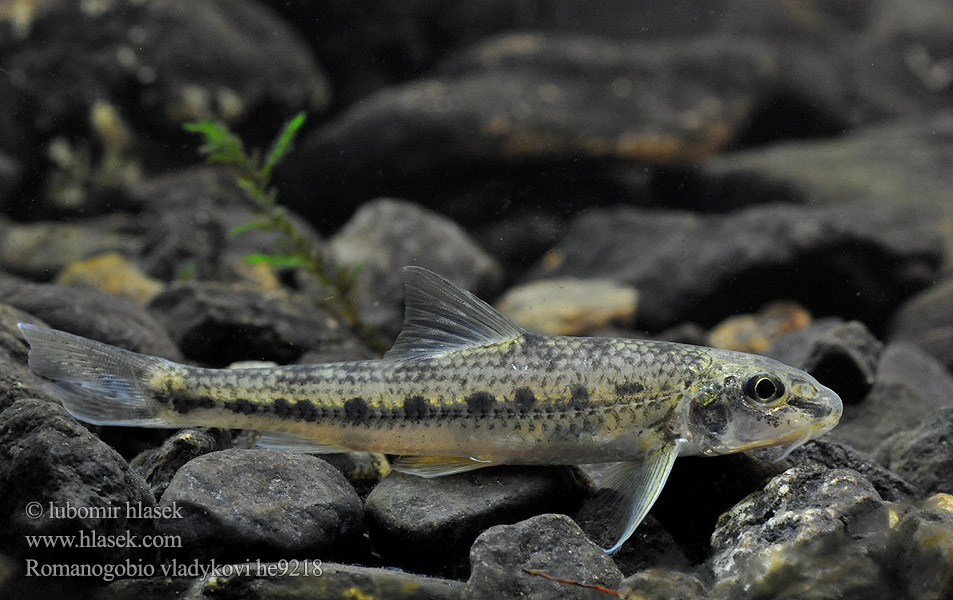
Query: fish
[464, 387]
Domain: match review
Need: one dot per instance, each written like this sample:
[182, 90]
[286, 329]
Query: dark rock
[429, 524]
[520, 239]
[48, 459]
[921, 548]
[363, 470]
[10, 173]
[663, 584]
[184, 244]
[161, 62]
[842, 356]
[145, 588]
[838, 455]
[794, 347]
[650, 546]
[701, 268]
[924, 320]
[387, 234]
[318, 579]
[263, 504]
[367, 46]
[510, 561]
[159, 465]
[809, 534]
[41, 250]
[923, 455]
[92, 314]
[220, 323]
[910, 386]
[690, 518]
[528, 99]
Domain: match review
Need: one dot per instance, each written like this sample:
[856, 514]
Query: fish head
[745, 401]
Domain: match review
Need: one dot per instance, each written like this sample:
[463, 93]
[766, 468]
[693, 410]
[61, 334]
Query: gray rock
[921, 549]
[17, 380]
[923, 455]
[663, 584]
[385, 235]
[159, 465]
[838, 455]
[92, 314]
[910, 386]
[509, 561]
[220, 323]
[899, 164]
[809, 534]
[248, 504]
[690, 267]
[842, 356]
[41, 250]
[429, 524]
[318, 579]
[924, 320]
[46, 457]
[189, 215]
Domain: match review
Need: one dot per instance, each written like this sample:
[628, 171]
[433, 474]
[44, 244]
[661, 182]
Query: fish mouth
[797, 437]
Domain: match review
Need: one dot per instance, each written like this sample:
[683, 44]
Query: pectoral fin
[438, 466]
[637, 485]
[289, 442]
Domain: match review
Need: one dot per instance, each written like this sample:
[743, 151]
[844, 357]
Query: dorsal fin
[440, 317]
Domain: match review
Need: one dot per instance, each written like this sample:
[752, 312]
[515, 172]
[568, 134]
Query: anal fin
[438, 466]
[633, 487]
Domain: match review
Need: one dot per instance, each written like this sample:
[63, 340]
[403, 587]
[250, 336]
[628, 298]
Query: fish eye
[763, 389]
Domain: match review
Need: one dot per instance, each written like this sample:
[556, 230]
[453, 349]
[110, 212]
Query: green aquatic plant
[292, 249]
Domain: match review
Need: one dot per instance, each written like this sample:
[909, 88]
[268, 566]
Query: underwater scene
[476, 299]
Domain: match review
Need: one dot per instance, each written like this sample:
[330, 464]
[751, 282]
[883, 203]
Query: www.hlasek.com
[85, 539]
[132, 569]
[96, 539]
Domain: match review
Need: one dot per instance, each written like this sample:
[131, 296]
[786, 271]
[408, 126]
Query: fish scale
[464, 388]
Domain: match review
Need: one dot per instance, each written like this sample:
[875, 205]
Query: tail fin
[97, 383]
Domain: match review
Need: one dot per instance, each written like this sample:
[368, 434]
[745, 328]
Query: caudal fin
[97, 383]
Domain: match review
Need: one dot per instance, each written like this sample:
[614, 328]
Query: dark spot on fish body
[306, 410]
[629, 388]
[579, 397]
[241, 406]
[282, 407]
[525, 399]
[184, 403]
[357, 412]
[415, 409]
[712, 416]
[480, 404]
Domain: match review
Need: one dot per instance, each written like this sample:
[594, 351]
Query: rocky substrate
[770, 177]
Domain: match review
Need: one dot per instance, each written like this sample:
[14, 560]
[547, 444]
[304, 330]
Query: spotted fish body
[519, 401]
[463, 388]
